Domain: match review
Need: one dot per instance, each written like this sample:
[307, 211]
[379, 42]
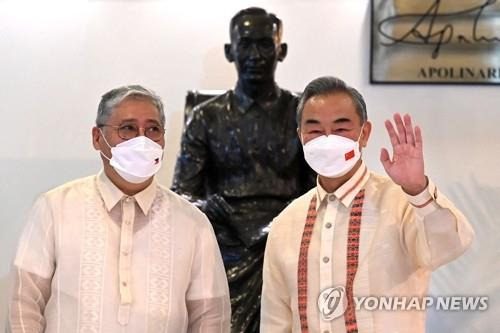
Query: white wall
[58, 58]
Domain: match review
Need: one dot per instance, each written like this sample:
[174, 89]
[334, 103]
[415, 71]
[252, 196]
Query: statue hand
[217, 209]
[218, 212]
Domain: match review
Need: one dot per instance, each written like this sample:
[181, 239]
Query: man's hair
[256, 11]
[328, 85]
[114, 97]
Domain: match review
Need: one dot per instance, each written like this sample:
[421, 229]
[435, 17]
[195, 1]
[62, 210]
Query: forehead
[135, 109]
[330, 107]
[255, 27]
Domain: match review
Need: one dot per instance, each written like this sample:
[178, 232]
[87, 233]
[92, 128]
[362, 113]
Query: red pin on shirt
[157, 160]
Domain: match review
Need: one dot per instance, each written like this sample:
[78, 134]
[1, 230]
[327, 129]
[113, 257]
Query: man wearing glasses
[117, 252]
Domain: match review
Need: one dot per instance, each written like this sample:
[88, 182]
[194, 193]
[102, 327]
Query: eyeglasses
[130, 131]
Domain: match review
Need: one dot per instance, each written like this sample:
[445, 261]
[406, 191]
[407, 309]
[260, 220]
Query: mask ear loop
[359, 138]
[106, 141]
[361, 132]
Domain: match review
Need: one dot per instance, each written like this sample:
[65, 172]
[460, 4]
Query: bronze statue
[241, 161]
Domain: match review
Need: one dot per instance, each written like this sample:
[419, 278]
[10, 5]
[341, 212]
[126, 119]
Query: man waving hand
[356, 234]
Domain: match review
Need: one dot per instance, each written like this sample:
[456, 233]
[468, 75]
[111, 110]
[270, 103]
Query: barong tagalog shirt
[400, 240]
[92, 259]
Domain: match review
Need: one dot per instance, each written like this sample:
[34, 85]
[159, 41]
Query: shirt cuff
[425, 202]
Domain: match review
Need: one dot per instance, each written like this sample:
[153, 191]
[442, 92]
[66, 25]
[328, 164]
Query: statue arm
[190, 168]
[191, 172]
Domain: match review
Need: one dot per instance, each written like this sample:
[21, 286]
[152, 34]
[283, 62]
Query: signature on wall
[426, 30]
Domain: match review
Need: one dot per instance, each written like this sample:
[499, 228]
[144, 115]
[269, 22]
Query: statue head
[255, 46]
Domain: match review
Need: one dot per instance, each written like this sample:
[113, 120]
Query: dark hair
[256, 11]
[327, 85]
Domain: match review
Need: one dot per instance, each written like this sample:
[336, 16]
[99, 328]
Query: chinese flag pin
[157, 160]
[349, 155]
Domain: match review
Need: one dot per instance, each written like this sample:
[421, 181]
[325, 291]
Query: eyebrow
[311, 121]
[342, 120]
[336, 121]
[135, 120]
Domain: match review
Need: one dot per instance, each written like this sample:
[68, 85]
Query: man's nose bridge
[254, 50]
[141, 131]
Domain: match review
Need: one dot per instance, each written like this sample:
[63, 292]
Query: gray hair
[113, 98]
[327, 85]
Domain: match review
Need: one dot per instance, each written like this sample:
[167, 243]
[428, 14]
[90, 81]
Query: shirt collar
[266, 102]
[111, 194]
[346, 193]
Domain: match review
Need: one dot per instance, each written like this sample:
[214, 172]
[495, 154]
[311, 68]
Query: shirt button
[326, 331]
[326, 259]
[124, 284]
[331, 198]
[328, 225]
[127, 222]
[125, 253]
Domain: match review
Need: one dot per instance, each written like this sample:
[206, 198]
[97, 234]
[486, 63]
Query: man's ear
[283, 50]
[96, 136]
[365, 134]
[299, 134]
[228, 52]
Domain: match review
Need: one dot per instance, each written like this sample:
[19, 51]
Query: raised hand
[407, 165]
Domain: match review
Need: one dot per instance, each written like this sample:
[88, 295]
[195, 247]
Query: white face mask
[135, 160]
[332, 156]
